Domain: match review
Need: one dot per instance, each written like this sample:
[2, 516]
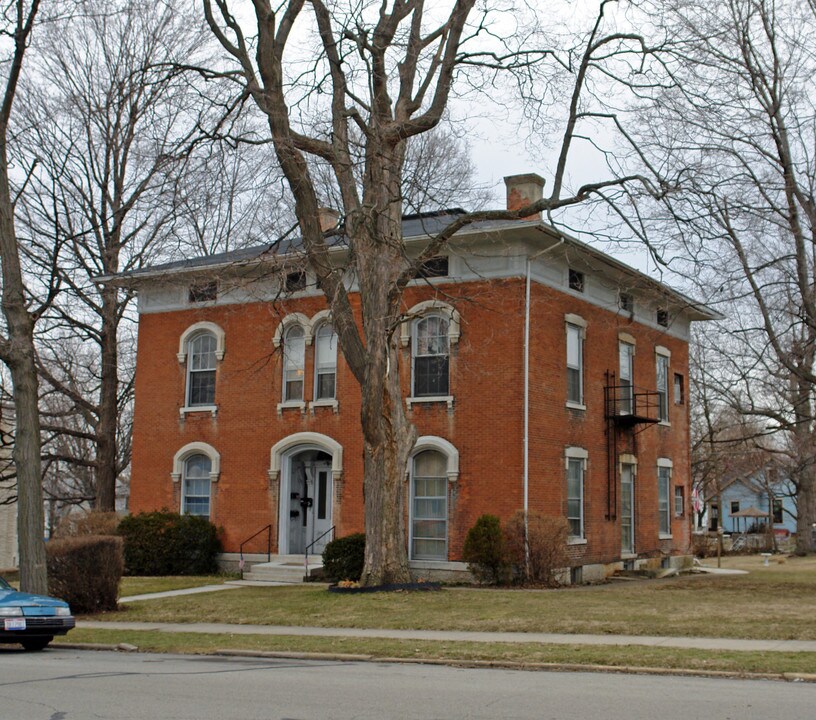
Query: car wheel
[36, 644]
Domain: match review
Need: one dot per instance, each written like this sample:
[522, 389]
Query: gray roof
[413, 226]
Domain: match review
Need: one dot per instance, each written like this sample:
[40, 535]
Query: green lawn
[778, 602]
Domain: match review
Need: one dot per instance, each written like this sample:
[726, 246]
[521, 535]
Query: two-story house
[540, 372]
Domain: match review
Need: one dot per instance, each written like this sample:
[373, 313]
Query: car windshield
[4, 585]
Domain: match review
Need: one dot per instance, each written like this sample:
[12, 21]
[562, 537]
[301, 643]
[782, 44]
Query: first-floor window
[663, 483]
[429, 506]
[627, 507]
[196, 479]
[575, 497]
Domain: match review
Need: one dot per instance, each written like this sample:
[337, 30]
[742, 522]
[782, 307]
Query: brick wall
[485, 424]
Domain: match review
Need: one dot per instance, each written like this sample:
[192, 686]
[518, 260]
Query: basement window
[203, 292]
[576, 280]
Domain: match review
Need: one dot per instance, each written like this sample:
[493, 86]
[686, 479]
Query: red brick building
[539, 372]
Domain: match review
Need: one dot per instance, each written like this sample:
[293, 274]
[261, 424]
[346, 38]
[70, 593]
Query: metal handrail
[268, 529]
[311, 545]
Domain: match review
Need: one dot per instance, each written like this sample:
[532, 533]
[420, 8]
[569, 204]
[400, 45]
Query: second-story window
[575, 364]
[662, 373]
[626, 395]
[201, 361]
[294, 364]
[325, 363]
[431, 357]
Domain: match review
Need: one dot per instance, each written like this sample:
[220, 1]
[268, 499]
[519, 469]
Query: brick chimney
[523, 190]
[328, 218]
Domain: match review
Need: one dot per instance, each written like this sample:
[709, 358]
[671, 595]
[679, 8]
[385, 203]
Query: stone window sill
[189, 410]
[575, 406]
[664, 536]
[447, 399]
[292, 405]
[326, 403]
[576, 541]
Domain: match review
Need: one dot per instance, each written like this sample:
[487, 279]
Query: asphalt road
[85, 685]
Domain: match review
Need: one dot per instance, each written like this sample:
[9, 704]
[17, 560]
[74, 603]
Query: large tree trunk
[388, 439]
[805, 514]
[18, 354]
[106, 429]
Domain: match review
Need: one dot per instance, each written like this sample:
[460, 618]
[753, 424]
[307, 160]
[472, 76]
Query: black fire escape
[628, 410]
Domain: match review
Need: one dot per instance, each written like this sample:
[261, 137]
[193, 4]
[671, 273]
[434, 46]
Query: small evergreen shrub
[343, 558]
[166, 543]
[547, 542]
[85, 571]
[485, 551]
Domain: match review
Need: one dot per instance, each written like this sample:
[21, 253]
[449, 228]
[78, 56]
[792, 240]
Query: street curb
[498, 664]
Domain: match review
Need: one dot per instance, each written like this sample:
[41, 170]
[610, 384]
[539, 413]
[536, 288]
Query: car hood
[21, 599]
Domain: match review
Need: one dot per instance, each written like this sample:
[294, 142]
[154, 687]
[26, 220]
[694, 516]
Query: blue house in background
[743, 495]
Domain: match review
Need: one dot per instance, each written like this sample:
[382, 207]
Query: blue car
[31, 620]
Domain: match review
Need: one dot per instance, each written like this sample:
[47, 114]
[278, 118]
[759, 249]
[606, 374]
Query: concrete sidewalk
[460, 636]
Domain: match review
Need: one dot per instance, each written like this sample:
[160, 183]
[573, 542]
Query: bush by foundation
[166, 543]
[547, 542]
[485, 551]
[343, 558]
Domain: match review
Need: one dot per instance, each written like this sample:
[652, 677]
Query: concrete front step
[284, 568]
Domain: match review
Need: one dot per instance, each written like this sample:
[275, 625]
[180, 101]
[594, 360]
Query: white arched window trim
[201, 327]
[432, 442]
[287, 322]
[196, 448]
[324, 442]
[429, 307]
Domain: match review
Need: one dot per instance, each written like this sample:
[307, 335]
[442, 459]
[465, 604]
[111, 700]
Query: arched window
[294, 363]
[201, 359]
[195, 498]
[429, 506]
[325, 363]
[431, 354]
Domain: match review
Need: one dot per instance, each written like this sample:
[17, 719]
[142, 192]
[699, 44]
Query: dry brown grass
[778, 602]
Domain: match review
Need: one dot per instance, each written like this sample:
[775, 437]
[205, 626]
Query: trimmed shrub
[92, 522]
[85, 571]
[166, 543]
[547, 542]
[485, 551]
[343, 559]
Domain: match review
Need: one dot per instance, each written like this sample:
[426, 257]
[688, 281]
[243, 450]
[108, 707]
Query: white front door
[319, 517]
[310, 506]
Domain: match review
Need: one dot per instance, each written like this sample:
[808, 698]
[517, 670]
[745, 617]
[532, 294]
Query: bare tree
[17, 343]
[350, 85]
[734, 130]
[111, 120]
